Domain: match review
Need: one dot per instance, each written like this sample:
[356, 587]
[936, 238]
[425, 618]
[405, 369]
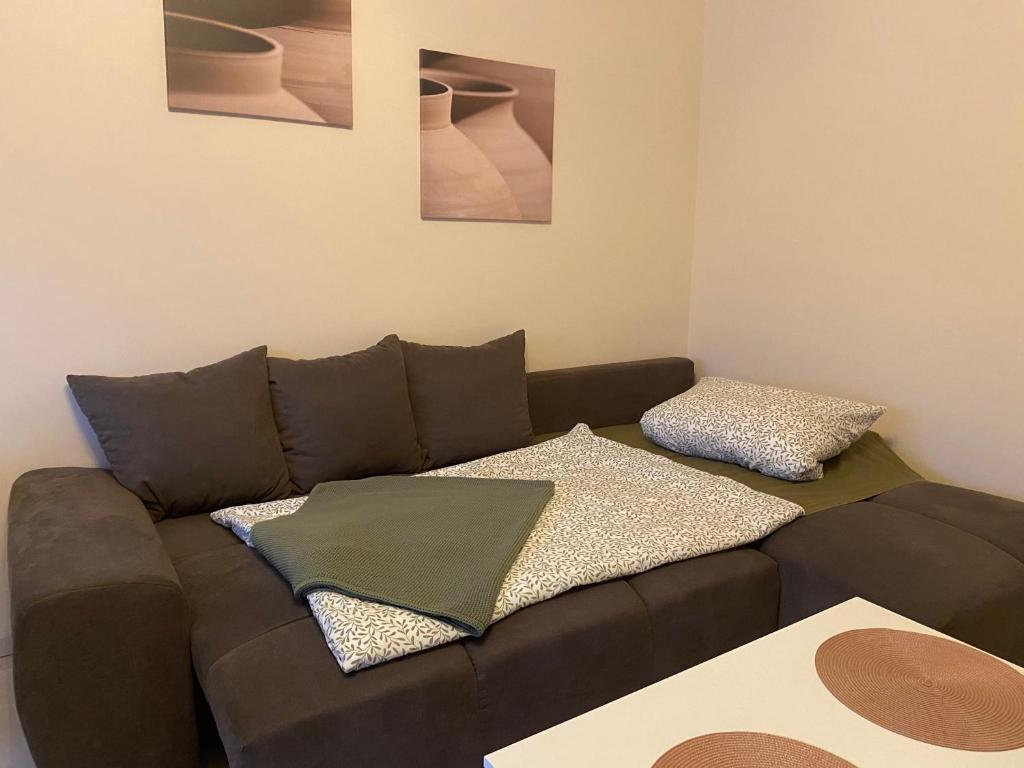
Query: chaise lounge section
[114, 617]
[950, 558]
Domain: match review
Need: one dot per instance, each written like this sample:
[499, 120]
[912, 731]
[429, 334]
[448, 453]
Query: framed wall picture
[271, 59]
[486, 136]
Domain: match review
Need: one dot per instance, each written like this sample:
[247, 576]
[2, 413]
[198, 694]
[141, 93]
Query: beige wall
[135, 240]
[860, 217]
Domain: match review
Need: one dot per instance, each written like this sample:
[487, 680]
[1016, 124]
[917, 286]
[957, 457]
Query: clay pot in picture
[483, 109]
[317, 39]
[457, 181]
[318, 57]
[535, 107]
[217, 67]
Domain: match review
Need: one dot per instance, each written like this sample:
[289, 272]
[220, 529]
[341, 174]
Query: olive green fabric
[440, 546]
[865, 469]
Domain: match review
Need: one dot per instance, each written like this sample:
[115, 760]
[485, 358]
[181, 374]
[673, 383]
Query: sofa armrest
[102, 670]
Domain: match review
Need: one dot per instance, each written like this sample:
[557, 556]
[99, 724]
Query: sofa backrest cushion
[604, 395]
[469, 402]
[345, 417]
[190, 442]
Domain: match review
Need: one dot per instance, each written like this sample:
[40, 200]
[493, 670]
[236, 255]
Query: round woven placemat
[926, 688]
[744, 749]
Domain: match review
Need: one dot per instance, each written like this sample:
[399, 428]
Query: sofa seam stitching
[955, 528]
[476, 687]
[209, 670]
[647, 614]
[163, 585]
[181, 560]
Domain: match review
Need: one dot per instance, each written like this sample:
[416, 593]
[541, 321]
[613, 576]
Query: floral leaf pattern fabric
[778, 432]
[616, 511]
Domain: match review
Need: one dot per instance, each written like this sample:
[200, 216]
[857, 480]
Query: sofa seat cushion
[279, 697]
[281, 700]
[560, 658]
[920, 567]
[565, 656]
[186, 536]
[997, 520]
[234, 597]
[704, 607]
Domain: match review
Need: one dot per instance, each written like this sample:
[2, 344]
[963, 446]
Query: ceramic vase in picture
[457, 181]
[484, 110]
[535, 104]
[218, 67]
[318, 56]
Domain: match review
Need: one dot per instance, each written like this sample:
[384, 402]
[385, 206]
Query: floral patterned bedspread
[616, 511]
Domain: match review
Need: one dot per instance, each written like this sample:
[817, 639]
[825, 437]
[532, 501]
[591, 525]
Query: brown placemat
[926, 688]
[745, 749]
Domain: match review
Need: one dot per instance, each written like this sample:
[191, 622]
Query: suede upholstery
[280, 698]
[346, 416]
[998, 521]
[604, 395]
[235, 597]
[190, 442]
[558, 659]
[735, 593]
[195, 535]
[101, 627]
[86, 562]
[468, 402]
[925, 569]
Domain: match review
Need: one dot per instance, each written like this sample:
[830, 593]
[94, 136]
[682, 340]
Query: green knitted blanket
[440, 546]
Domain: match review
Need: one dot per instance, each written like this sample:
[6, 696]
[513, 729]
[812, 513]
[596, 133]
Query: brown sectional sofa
[115, 617]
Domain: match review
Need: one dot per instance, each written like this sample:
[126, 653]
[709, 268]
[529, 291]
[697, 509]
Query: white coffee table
[769, 685]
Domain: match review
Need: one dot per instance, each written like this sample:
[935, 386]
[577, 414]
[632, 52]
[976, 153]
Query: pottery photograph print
[486, 134]
[272, 59]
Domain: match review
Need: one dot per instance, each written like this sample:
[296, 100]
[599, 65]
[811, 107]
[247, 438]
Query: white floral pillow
[784, 433]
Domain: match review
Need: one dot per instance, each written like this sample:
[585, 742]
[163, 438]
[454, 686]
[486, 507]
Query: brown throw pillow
[189, 442]
[469, 401]
[345, 417]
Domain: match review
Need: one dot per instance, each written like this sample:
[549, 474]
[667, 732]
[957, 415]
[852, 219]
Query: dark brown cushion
[604, 395]
[189, 442]
[234, 596]
[558, 659]
[185, 537]
[919, 567]
[345, 417]
[703, 607]
[281, 702]
[469, 401]
[997, 520]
